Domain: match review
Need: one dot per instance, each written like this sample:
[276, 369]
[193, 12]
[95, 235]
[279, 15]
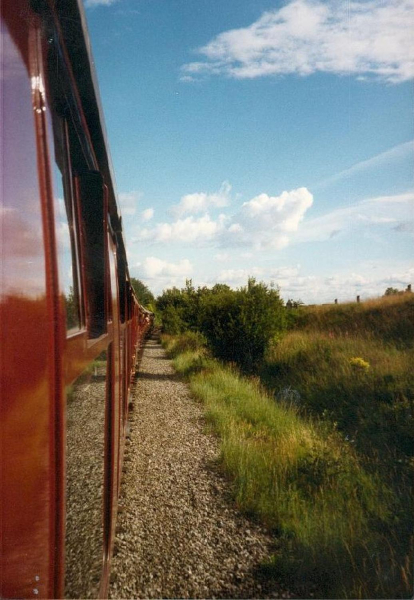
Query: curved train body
[70, 322]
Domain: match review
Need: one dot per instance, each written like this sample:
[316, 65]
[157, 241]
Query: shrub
[190, 341]
[239, 324]
[172, 322]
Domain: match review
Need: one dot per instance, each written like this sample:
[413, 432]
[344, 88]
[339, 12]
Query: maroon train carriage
[70, 322]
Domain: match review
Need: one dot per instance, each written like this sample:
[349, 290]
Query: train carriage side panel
[30, 378]
[66, 300]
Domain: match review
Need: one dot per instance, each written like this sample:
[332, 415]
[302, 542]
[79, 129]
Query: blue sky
[265, 138]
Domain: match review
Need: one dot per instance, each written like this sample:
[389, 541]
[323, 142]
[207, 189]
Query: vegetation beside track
[318, 444]
[389, 319]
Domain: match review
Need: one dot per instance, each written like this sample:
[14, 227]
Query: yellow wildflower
[359, 363]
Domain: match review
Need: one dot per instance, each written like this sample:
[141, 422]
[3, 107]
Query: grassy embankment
[323, 461]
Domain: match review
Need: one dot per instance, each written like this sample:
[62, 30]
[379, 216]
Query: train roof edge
[74, 28]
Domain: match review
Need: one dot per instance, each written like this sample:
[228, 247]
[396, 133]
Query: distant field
[319, 444]
[390, 318]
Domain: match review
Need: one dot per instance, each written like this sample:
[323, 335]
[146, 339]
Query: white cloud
[346, 286]
[316, 289]
[222, 256]
[160, 274]
[239, 277]
[279, 274]
[399, 279]
[274, 222]
[365, 38]
[263, 222]
[384, 210]
[371, 280]
[268, 221]
[129, 201]
[189, 230]
[147, 214]
[92, 3]
[153, 268]
[201, 201]
[384, 159]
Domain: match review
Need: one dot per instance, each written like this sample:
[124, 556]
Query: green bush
[179, 309]
[172, 322]
[190, 341]
[239, 324]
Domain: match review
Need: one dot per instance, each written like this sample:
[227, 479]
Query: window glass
[66, 232]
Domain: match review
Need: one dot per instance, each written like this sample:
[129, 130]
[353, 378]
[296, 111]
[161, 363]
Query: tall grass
[373, 406]
[390, 319]
[351, 365]
[332, 518]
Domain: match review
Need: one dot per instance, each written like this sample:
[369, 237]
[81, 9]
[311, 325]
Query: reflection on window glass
[65, 227]
[85, 448]
[66, 256]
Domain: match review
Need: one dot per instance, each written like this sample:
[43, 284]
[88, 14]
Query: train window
[92, 201]
[85, 476]
[66, 228]
[85, 203]
[122, 277]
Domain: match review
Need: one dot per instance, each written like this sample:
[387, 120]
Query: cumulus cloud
[274, 222]
[316, 289]
[222, 256]
[153, 268]
[371, 280]
[262, 222]
[160, 274]
[22, 238]
[346, 286]
[188, 230]
[147, 214]
[267, 221]
[279, 276]
[399, 279]
[201, 201]
[129, 202]
[24, 267]
[369, 38]
[239, 277]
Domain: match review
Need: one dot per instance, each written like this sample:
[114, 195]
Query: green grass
[372, 406]
[352, 366]
[389, 319]
[333, 519]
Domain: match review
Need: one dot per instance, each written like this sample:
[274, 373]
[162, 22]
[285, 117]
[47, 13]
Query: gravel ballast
[179, 535]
